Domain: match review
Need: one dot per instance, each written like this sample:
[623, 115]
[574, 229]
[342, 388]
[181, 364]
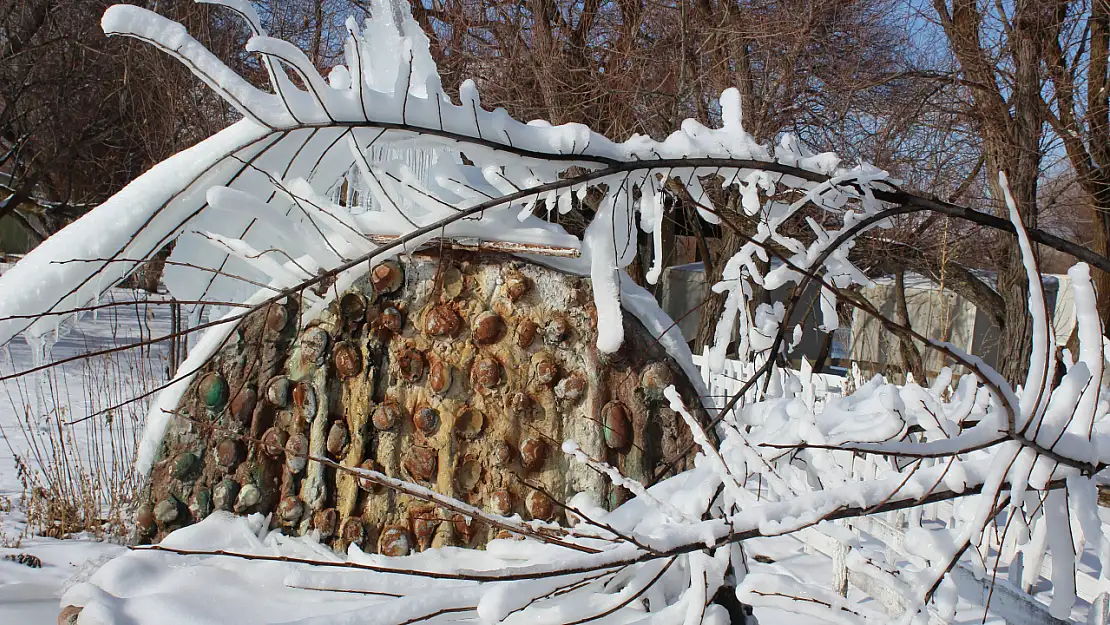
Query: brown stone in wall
[463, 373]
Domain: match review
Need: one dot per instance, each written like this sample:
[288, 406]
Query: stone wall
[463, 373]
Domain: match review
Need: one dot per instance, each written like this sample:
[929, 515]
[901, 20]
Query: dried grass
[80, 477]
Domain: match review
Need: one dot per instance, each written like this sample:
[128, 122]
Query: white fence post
[1100, 611]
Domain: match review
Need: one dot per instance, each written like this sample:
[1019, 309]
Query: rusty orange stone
[426, 420]
[547, 372]
[533, 453]
[464, 529]
[304, 398]
[487, 328]
[486, 372]
[273, 441]
[348, 360]
[571, 388]
[290, 509]
[439, 376]
[539, 505]
[617, 424]
[516, 285]
[395, 542]
[526, 333]
[557, 330]
[441, 321]
[520, 405]
[353, 531]
[425, 522]
[392, 319]
[501, 502]
[387, 415]
[365, 483]
[411, 364]
[421, 463]
[325, 521]
[242, 405]
[229, 453]
[387, 277]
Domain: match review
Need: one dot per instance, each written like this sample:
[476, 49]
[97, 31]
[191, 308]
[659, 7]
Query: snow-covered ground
[148, 586]
[73, 390]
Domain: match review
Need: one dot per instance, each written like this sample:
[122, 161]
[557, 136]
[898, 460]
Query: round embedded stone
[426, 420]
[545, 370]
[539, 505]
[410, 362]
[469, 423]
[486, 372]
[392, 319]
[386, 415]
[277, 392]
[421, 463]
[248, 496]
[617, 425]
[520, 405]
[557, 330]
[213, 390]
[185, 465]
[571, 388]
[487, 328]
[242, 405]
[296, 453]
[325, 521]
[395, 542]
[533, 453]
[304, 399]
[516, 285]
[166, 511]
[439, 377]
[387, 277]
[144, 518]
[441, 321]
[348, 360]
[223, 496]
[353, 307]
[353, 531]
[526, 333]
[229, 453]
[201, 506]
[290, 509]
[365, 483]
[501, 502]
[464, 529]
[273, 441]
[502, 453]
[338, 437]
[277, 317]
